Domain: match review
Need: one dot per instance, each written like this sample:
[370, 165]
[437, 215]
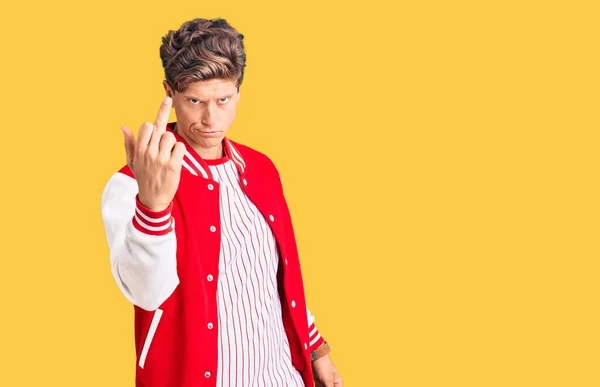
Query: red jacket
[183, 352]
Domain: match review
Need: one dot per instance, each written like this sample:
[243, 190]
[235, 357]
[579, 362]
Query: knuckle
[167, 142]
[163, 158]
[139, 153]
[146, 126]
[173, 164]
[151, 155]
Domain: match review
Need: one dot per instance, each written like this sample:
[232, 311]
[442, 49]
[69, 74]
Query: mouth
[209, 134]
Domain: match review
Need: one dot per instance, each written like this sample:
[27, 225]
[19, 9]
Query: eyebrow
[192, 97]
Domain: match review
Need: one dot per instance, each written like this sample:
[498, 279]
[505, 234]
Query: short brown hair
[202, 49]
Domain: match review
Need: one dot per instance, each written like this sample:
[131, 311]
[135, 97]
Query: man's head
[204, 68]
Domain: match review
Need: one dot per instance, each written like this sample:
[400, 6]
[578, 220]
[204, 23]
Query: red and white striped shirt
[253, 346]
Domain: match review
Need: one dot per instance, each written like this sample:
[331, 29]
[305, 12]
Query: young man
[201, 239]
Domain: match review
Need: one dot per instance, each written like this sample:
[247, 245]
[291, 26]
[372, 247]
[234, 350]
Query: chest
[248, 246]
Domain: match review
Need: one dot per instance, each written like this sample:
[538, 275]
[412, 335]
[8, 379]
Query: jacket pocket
[151, 331]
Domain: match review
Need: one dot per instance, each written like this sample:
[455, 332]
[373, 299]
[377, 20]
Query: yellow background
[439, 158]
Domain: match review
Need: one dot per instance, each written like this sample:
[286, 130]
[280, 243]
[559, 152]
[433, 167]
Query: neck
[212, 153]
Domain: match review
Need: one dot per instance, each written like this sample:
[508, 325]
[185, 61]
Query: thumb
[129, 146]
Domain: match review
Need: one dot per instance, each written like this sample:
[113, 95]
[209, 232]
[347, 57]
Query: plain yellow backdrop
[439, 158]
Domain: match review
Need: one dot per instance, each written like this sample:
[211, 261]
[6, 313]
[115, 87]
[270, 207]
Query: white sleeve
[142, 244]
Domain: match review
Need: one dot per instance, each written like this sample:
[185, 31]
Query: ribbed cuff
[152, 222]
[315, 338]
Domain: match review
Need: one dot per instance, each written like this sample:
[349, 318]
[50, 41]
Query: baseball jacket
[171, 277]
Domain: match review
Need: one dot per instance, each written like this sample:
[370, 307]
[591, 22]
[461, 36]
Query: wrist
[320, 352]
[150, 206]
[152, 222]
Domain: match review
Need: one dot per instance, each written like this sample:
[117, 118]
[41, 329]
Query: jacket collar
[196, 164]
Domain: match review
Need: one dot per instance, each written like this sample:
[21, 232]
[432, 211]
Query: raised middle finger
[162, 118]
[144, 136]
[160, 125]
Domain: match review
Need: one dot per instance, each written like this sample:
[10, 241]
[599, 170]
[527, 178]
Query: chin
[210, 141]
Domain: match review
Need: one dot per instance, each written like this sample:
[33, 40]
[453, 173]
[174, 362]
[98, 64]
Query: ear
[168, 89]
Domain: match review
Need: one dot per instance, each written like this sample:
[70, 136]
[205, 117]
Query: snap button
[207, 374]
[213, 228]
[211, 187]
[210, 325]
[293, 304]
[209, 277]
[245, 182]
[272, 218]
[305, 346]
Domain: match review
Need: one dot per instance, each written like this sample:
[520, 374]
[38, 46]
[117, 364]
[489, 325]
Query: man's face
[205, 111]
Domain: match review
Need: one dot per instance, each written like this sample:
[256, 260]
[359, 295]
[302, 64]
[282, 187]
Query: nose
[208, 117]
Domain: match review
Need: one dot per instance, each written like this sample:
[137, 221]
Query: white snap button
[211, 187]
[213, 228]
[286, 261]
[207, 374]
[305, 346]
[293, 304]
[245, 182]
[209, 277]
[210, 325]
[272, 218]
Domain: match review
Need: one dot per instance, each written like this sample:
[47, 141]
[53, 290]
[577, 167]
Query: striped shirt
[253, 347]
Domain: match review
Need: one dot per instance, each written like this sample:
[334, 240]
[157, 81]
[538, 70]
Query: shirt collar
[196, 164]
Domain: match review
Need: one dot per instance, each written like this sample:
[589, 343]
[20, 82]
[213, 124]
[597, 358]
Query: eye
[221, 100]
[194, 101]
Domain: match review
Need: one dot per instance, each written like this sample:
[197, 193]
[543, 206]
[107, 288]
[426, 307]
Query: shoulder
[120, 184]
[260, 164]
[253, 156]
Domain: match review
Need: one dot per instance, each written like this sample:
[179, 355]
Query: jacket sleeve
[315, 337]
[142, 244]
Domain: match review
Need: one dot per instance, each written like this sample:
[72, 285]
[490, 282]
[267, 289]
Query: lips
[209, 134]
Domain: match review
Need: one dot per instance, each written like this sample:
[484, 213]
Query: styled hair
[202, 49]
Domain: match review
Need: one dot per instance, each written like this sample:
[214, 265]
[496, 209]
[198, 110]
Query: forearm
[145, 267]
[142, 246]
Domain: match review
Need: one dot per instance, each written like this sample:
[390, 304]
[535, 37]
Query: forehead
[211, 88]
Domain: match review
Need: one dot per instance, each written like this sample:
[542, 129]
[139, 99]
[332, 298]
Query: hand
[325, 373]
[155, 160]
